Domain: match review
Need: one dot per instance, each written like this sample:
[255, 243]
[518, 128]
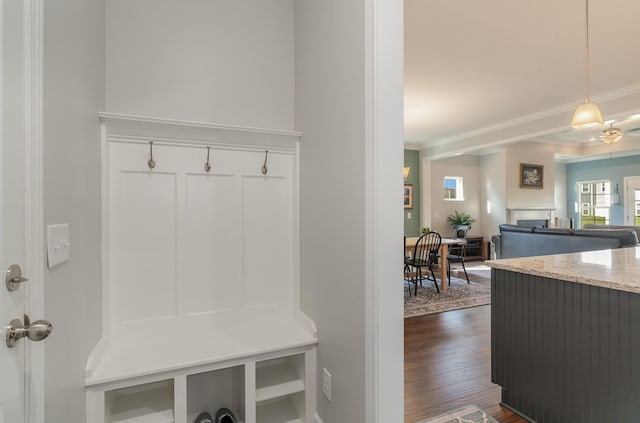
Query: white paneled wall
[186, 243]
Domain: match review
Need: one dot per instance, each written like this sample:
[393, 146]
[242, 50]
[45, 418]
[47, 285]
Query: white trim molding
[384, 383]
[171, 130]
[530, 212]
[34, 223]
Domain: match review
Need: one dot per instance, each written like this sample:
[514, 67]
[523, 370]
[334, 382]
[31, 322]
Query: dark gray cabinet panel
[564, 351]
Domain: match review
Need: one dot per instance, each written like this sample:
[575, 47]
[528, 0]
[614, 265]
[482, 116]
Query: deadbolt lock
[13, 277]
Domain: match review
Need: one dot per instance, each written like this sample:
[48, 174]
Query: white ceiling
[480, 74]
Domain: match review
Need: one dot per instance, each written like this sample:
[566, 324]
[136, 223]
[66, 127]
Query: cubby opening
[151, 402]
[280, 389]
[211, 391]
[286, 409]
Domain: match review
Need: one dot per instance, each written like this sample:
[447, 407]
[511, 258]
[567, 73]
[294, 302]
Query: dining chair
[456, 255]
[424, 255]
[407, 268]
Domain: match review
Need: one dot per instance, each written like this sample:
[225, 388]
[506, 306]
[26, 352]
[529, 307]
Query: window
[595, 202]
[453, 188]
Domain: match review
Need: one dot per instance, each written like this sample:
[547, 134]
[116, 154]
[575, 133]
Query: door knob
[36, 331]
[13, 277]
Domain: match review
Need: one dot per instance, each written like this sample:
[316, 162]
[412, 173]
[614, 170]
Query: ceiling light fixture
[611, 134]
[588, 113]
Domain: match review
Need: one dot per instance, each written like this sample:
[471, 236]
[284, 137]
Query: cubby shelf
[210, 391]
[476, 249]
[278, 411]
[280, 389]
[149, 403]
[276, 379]
[274, 386]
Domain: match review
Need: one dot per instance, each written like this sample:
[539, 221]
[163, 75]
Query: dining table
[410, 243]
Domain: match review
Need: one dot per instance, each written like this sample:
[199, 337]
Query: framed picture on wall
[408, 196]
[531, 175]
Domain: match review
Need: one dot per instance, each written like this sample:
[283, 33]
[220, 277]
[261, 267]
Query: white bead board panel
[186, 243]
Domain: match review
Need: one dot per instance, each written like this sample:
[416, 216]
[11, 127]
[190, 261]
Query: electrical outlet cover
[326, 384]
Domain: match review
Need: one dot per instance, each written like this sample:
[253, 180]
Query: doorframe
[384, 322]
[626, 181]
[34, 207]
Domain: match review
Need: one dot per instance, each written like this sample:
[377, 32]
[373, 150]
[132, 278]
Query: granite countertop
[617, 269]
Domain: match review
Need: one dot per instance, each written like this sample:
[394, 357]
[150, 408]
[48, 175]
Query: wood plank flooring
[447, 365]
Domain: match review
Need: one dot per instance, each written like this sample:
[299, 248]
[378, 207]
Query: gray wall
[329, 111]
[351, 201]
[468, 167]
[215, 61]
[493, 193]
[350, 211]
[531, 153]
[560, 195]
[73, 94]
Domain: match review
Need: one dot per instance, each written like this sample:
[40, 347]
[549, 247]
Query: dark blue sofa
[526, 241]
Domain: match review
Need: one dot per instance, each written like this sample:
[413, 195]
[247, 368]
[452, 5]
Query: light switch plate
[58, 244]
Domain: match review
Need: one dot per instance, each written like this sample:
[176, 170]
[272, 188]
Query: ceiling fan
[613, 131]
[628, 126]
[611, 134]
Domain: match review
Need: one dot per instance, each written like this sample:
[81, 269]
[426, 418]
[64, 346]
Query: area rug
[459, 295]
[468, 414]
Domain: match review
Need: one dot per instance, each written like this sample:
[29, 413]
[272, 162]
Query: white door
[21, 364]
[632, 200]
[12, 197]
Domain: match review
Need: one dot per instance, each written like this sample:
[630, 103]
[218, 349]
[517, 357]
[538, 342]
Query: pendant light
[588, 113]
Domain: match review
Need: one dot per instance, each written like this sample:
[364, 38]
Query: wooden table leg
[444, 253]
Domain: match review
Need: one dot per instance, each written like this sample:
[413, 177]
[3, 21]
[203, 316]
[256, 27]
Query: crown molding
[119, 117]
[172, 130]
[546, 123]
[543, 114]
[415, 147]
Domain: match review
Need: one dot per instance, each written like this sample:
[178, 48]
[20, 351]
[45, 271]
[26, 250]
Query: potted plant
[424, 230]
[460, 221]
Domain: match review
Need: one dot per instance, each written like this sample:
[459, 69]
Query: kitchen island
[565, 343]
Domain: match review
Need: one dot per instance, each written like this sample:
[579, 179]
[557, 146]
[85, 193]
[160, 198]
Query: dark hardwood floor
[447, 365]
